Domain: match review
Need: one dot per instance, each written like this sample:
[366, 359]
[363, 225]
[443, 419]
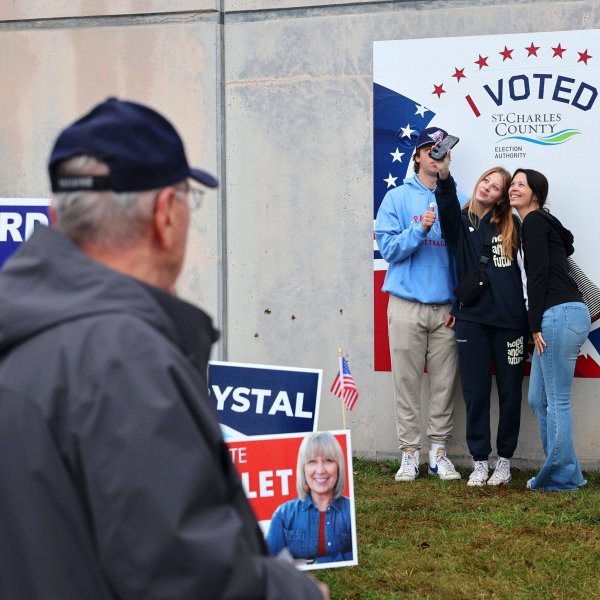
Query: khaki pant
[419, 338]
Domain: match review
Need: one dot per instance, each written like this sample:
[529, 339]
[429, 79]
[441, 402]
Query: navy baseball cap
[431, 135]
[141, 148]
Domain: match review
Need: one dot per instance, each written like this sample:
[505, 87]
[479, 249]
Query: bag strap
[486, 252]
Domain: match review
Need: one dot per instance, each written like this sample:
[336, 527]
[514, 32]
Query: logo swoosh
[560, 137]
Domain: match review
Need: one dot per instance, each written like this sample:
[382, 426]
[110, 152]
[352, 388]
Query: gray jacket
[115, 481]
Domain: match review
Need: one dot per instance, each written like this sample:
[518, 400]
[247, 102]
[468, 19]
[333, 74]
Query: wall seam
[222, 277]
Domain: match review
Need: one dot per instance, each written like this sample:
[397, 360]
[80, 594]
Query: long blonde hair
[502, 217]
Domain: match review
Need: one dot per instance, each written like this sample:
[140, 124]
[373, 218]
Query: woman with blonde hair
[315, 527]
[491, 324]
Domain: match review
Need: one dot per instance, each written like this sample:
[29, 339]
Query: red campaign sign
[267, 467]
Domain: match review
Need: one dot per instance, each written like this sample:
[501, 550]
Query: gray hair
[108, 219]
[320, 443]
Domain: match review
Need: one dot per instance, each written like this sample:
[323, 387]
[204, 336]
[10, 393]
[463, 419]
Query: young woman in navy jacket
[493, 331]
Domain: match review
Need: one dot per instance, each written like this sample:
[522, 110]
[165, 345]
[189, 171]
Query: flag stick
[341, 371]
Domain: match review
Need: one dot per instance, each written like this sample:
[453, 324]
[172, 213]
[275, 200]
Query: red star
[584, 56]
[558, 51]
[532, 50]
[482, 62]
[459, 74]
[438, 90]
[506, 53]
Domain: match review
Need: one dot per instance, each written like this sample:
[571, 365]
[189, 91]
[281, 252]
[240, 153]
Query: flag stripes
[343, 385]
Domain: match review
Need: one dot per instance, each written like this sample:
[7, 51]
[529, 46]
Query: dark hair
[538, 184]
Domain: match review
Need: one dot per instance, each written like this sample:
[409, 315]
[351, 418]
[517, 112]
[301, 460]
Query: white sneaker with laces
[441, 465]
[501, 474]
[480, 473]
[409, 466]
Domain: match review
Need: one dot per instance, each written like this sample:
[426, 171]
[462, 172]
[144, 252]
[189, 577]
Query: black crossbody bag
[469, 290]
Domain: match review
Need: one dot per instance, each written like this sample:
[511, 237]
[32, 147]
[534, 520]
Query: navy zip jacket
[502, 304]
[115, 481]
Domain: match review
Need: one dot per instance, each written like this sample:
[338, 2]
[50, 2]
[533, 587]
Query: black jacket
[546, 244]
[115, 481]
[502, 304]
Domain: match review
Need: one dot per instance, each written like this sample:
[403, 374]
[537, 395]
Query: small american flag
[343, 385]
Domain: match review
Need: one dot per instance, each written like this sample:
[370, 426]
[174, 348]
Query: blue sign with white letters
[18, 217]
[264, 399]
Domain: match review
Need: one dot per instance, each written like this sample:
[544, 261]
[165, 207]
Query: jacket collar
[194, 330]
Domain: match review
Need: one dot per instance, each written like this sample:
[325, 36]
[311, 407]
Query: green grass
[442, 539]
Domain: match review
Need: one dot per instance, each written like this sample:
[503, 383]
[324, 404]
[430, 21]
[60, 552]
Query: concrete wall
[275, 97]
[57, 66]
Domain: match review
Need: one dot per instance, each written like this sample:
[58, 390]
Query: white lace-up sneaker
[501, 474]
[441, 465]
[480, 473]
[409, 466]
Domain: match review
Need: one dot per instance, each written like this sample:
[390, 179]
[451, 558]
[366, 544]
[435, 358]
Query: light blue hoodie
[420, 266]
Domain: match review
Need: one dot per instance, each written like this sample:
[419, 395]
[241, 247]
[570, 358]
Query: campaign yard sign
[264, 399]
[526, 100]
[267, 467]
[18, 217]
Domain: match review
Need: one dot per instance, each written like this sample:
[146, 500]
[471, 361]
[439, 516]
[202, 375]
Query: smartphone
[439, 151]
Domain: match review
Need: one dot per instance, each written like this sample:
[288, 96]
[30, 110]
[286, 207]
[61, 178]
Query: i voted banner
[525, 100]
[268, 469]
[18, 217]
[264, 399]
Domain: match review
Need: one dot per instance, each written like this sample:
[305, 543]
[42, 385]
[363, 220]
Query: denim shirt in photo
[295, 525]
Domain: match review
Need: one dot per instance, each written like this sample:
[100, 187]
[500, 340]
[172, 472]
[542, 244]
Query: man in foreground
[115, 481]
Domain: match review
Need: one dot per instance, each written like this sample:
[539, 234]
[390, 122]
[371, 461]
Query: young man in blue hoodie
[419, 280]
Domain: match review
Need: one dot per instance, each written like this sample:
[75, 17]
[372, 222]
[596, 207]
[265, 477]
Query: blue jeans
[564, 328]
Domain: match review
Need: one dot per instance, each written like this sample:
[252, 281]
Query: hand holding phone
[438, 152]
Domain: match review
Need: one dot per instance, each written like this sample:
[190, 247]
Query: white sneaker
[480, 473]
[501, 474]
[441, 465]
[409, 466]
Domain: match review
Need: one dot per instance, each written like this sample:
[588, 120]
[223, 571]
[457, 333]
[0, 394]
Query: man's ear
[163, 218]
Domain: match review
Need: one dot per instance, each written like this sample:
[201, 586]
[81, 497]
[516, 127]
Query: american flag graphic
[397, 122]
[343, 385]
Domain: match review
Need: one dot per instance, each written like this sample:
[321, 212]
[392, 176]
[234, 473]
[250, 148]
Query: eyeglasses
[194, 196]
